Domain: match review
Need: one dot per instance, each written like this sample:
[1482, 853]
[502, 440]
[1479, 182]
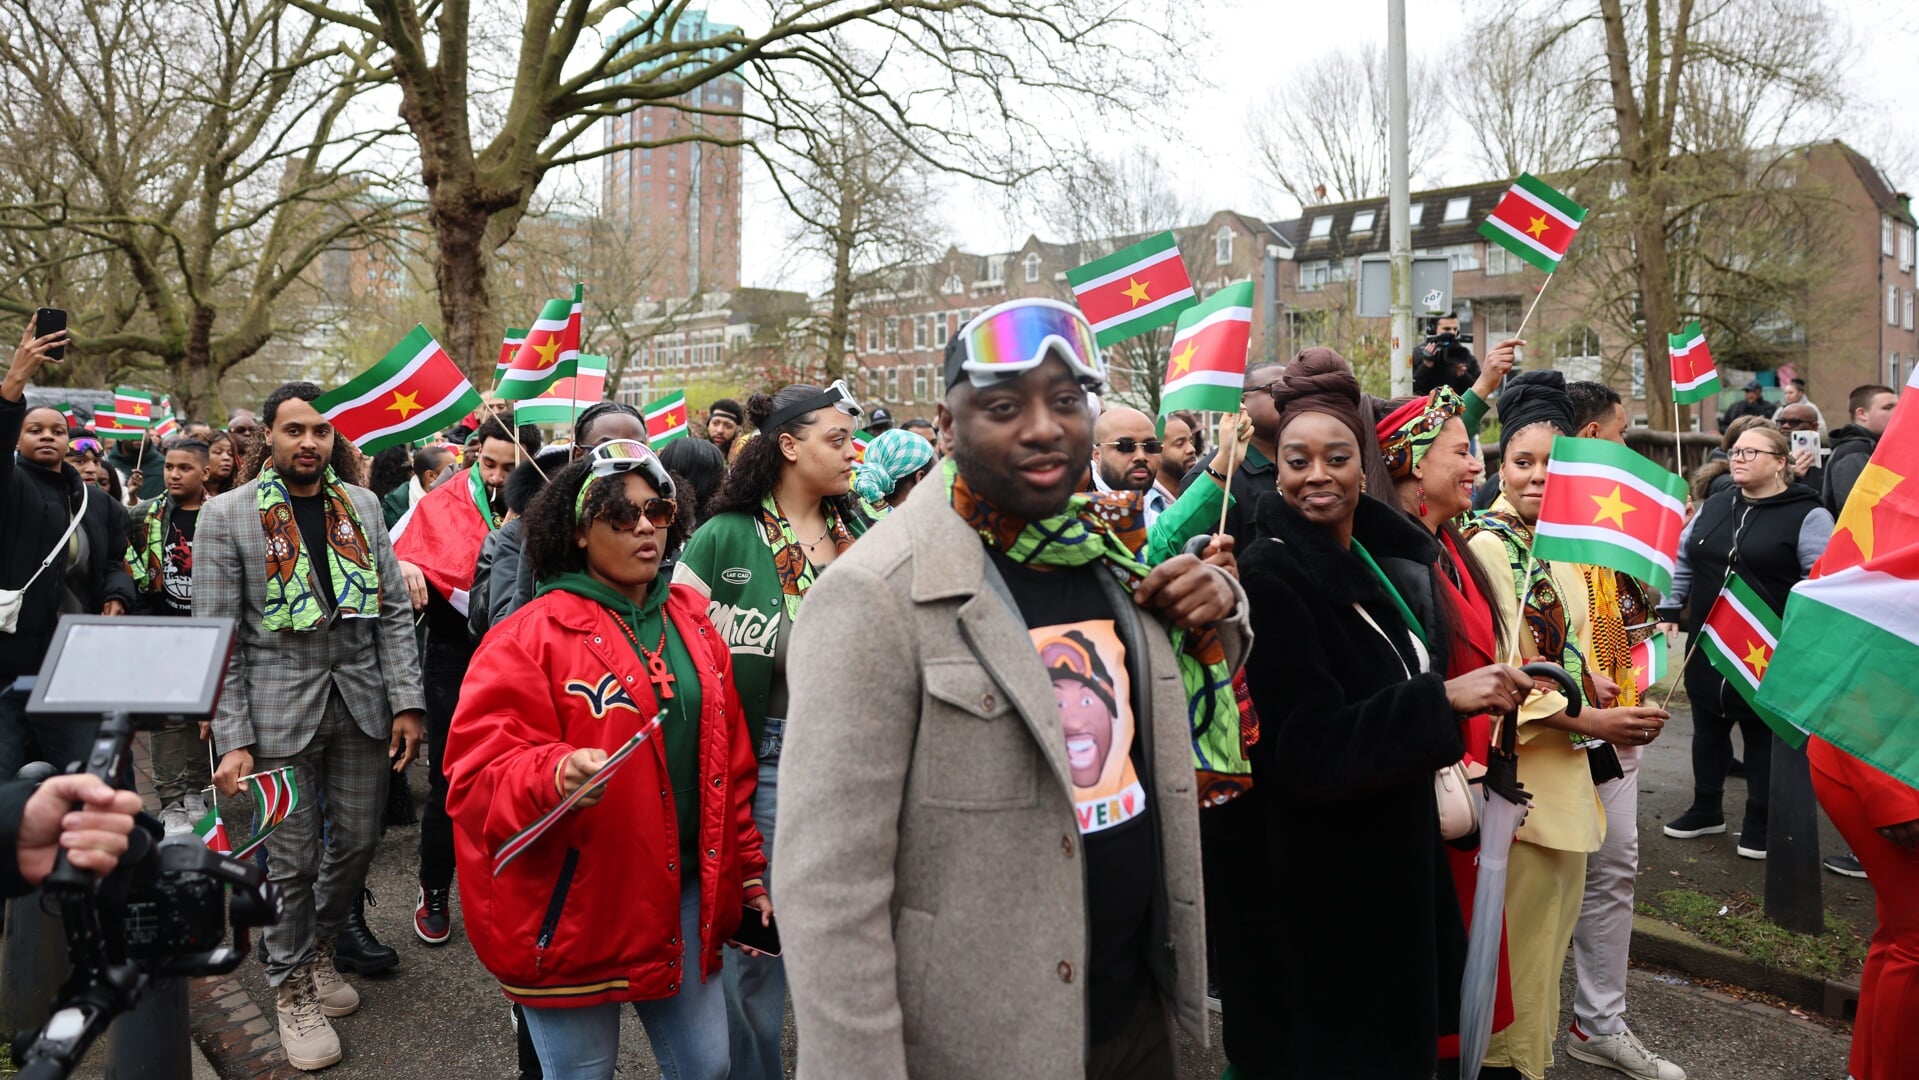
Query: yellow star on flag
[1183, 362]
[1757, 657]
[673, 420]
[1613, 507]
[1539, 227]
[1136, 289]
[405, 404]
[547, 350]
[1874, 484]
[139, 408]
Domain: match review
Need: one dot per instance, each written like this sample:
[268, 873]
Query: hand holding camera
[95, 836]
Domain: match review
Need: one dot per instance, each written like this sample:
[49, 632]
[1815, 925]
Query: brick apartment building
[682, 201]
[1864, 331]
[898, 337]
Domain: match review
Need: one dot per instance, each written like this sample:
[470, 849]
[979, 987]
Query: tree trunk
[466, 304]
[842, 286]
[195, 384]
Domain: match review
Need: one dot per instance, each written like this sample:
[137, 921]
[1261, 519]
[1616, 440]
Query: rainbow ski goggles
[624, 456]
[1011, 339]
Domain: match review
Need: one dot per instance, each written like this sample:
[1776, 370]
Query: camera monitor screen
[144, 666]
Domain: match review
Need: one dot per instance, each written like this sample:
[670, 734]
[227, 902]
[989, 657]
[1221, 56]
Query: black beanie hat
[1534, 397]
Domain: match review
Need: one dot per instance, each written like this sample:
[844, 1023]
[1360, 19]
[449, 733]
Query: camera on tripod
[165, 911]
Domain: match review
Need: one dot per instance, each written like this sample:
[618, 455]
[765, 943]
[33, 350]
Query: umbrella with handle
[1505, 808]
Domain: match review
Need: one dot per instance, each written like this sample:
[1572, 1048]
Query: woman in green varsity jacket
[783, 516]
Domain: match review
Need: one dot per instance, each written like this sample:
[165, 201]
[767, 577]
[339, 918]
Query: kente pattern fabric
[1098, 527]
[796, 571]
[1611, 644]
[293, 602]
[1410, 431]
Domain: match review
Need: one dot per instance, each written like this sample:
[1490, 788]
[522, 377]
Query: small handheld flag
[1605, 505]
[213, 832]
[1133, 290]
[130, 418]
[566, 399]
[412, 392]
[1204, 370]
[1739, 637]
[509, 348]
[665, 419]
[275, 796]
[1694, 378]
[524, 839]
[1534, 222]
[1649, 663]
[550, 351]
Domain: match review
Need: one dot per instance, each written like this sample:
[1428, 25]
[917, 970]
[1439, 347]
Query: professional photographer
[37, 821]
[1444, 359]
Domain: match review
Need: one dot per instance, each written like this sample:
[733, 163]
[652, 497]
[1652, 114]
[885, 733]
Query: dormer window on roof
[1322, 227]
[1363, 221]
[1418, 214]
[1456, 209]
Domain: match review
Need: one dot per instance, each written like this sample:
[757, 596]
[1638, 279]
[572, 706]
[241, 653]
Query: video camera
[165, 911]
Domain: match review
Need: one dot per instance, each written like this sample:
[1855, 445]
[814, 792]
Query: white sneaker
[175, 818]
[1623, 1052]
[196, 804]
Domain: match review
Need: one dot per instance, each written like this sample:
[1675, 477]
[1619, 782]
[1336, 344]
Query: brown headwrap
[1319, 380]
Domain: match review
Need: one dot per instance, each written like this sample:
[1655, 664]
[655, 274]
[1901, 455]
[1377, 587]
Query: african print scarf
[1541, 607]
[144, 559]
[293, 602]
[1106, 528]
[789, 555]
[1414, 429]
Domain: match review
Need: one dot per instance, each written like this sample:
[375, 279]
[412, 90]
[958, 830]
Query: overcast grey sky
[1248, 53]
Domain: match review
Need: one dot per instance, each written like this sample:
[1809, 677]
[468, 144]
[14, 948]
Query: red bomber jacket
[591, 912]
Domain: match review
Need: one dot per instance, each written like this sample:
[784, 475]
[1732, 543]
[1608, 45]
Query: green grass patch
[1739, 923]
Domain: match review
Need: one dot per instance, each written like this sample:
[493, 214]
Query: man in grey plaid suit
[323, 679]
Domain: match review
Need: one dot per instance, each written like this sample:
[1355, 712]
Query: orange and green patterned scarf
[293, 602]
[789, 555]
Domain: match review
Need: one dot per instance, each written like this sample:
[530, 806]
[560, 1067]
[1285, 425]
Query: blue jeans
[687, 1031]
[756, 985]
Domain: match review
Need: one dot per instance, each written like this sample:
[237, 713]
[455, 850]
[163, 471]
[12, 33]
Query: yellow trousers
[1544, 890]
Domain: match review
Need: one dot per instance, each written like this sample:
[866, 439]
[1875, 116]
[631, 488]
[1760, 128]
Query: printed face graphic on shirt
[1087, 665]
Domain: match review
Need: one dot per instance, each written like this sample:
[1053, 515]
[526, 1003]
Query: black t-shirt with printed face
[309, 514]
[1071, 623]
[176, 564]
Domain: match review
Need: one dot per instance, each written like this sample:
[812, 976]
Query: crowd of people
[999, 743]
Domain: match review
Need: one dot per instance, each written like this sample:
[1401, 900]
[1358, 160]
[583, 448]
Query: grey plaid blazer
[276, 688]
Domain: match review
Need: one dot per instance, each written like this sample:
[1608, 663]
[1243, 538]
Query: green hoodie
[680, 731]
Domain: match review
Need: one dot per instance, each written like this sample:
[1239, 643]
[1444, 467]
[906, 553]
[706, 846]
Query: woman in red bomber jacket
[601, 909]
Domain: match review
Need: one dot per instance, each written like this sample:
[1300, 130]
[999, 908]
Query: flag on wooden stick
[1694, 378]
[1605, 505]
[1133, 290]
[1205, 369]
[1534, 222]
[412, 392]
[550, 351]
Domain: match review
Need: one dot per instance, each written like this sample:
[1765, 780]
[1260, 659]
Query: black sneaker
[1847, 864]
[1696, 822]
[1752, 842]
[431, 919]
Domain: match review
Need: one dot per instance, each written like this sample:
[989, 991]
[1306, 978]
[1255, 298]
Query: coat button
[672, 963]
[712, 854]
[1066, 846]
[596, 639]
[1065, 971]
[989, 702]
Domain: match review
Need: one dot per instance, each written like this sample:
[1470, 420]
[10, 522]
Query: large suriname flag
[412, 392]
[1605, 505]
[1850, 643]
[1739, 637]
[1535, 222]
[1205, 368]
[1133, 290]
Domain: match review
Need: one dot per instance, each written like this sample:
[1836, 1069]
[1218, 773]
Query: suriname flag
[509, 348]
[1649, 663]
[1206, 365]
[131, 416]
[566, 399]
[1534, 222]
[1605, 505]
[665, 419]
[550, 351]
[412, 392]
[1133, 290]
[1739, 637]
[1694, 378]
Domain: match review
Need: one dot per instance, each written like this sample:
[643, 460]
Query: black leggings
[1716, 709]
